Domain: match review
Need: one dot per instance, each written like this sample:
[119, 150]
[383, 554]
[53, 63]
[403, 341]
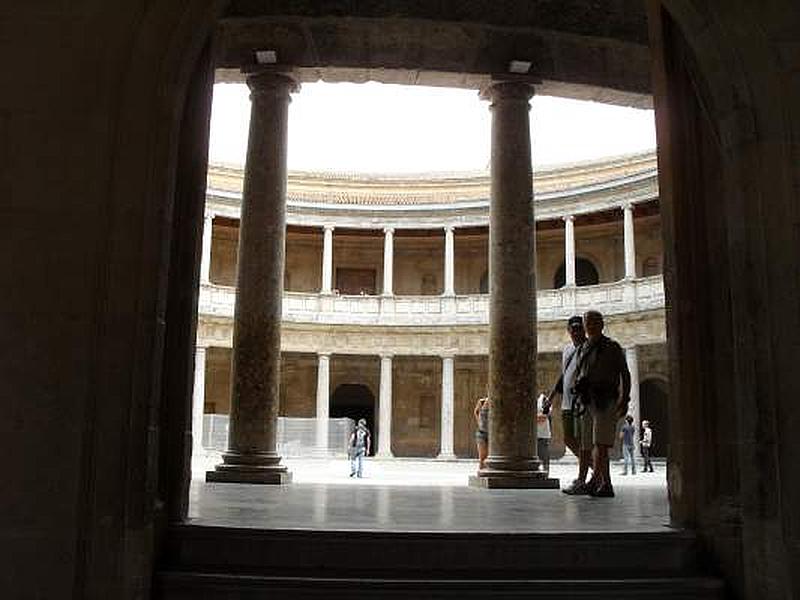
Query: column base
[513, 472]
[270, 477]
[526, 481]
[258, 468]
[449, 456]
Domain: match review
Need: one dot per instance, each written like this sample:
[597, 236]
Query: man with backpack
[603, 384]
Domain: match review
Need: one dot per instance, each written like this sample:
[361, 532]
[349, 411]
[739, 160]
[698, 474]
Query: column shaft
[512, 458]
[388, 261]
[323, 396]
[449, 262]
[569, 250]
[630, 242]
[448, 409]
[198, 400]
[327, 260]
[632, 358]
[385, 409]
[205, 256]
[252, 440]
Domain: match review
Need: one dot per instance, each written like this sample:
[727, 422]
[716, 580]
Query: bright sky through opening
[379, 128]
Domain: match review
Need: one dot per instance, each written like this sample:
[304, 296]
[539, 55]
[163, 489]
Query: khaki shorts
[571, 425]
[599, 427]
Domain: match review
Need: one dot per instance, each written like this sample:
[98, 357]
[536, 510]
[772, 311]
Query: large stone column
[385, 409]
[630, 242]
[449, 261]
[634, 408]
[512, 461]
[252, 440]
[198, 400]
[205, 256]
[323, 396]
[327, 260]
[569, 251]
[448, 410]
[388, 261]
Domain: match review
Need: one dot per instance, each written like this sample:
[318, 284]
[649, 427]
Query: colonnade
[252, 455]
[327, 283]
[384, 431]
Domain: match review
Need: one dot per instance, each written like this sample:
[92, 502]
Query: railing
[620, 297]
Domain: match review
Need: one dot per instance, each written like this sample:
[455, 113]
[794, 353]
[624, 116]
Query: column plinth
[252, 440]
[512, 460]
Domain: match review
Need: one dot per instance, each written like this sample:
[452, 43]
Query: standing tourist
[628, 435]
[601, 370]
[543, 431]
[647, 444]
[481, 414]
[360, 441]
[570, 408]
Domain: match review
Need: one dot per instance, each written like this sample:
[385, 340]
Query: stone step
[210, 586]
[438, 555]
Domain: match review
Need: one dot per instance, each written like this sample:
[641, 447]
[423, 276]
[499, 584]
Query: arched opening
[654, 407]
[585, 273]
[355, 401]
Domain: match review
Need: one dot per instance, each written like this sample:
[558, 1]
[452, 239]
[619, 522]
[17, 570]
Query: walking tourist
[646, 445]
[570, 408]
[601, 369]
[360, 441]
[481, 414]
[543, 431]
[628, 435]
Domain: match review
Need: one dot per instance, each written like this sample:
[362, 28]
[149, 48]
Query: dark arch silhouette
[355, 401]
[654, 407]
[585, 273]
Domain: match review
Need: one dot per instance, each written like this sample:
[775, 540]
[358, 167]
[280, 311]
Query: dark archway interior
[355, 401]
[654, 407]
[585, 273]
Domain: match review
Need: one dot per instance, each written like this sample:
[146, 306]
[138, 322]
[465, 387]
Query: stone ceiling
[594, 50]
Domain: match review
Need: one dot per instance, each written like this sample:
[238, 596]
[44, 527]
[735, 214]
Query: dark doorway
[355, 401]
[585, 273]
[653, 407]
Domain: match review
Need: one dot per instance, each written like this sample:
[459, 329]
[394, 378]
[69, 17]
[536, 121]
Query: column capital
[324, 354]
[209, 214]
[509, 88]
[386, 356]
[450, 355]
[568, 218]
[263, 79]
[627, 206]
[389, 230]
[328, 227]
[449, 228]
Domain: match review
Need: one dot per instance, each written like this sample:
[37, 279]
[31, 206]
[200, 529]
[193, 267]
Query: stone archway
[654, 407]
[355, 401]
[585, 273]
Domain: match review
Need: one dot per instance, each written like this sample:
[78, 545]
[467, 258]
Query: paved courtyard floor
[424, 495]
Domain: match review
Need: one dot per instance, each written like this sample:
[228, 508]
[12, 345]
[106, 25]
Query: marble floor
[423, 496]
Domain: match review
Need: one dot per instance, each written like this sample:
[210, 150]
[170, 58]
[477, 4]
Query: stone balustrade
[621, 297]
